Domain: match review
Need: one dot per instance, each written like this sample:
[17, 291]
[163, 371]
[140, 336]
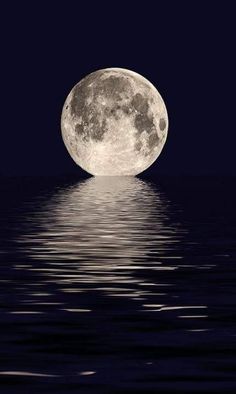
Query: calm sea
[118, 285]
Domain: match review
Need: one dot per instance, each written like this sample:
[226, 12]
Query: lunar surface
[114, 122]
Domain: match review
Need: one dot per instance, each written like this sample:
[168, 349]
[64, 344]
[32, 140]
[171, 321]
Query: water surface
[117, 285]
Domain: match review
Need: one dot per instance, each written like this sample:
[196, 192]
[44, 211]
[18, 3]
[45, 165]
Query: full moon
[114, 122]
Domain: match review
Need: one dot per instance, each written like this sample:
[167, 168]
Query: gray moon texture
[114, 123]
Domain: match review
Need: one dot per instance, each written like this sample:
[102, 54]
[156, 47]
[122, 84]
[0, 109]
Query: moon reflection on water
[104, 232]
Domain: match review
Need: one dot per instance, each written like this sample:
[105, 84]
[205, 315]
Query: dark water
[118, 286]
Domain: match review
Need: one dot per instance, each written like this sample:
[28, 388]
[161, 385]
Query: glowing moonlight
[114, 122]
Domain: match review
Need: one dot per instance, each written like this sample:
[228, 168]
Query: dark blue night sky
[185, 49]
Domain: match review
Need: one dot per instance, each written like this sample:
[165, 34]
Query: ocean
[118, 285]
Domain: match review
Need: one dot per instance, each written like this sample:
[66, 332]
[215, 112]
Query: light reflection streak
[25, 312]
[193, 316]
[76, 310]
[25, 373]
[87, 373]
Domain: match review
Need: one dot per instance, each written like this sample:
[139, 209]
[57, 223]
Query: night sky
[186, 49]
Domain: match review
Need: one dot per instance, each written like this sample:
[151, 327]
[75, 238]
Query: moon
[114, 123]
